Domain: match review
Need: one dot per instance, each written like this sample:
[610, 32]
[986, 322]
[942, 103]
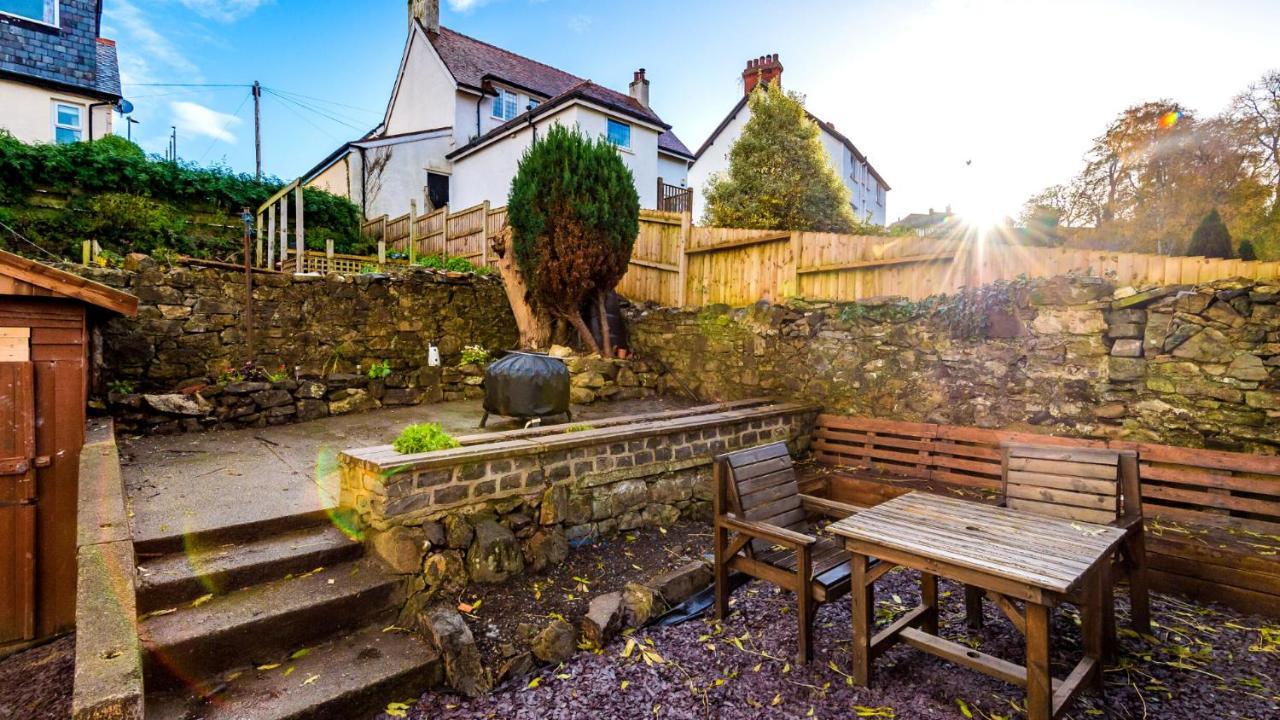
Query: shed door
[17, 501]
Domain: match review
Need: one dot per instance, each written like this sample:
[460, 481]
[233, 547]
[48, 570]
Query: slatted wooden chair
[1092, 485]
[762, 524]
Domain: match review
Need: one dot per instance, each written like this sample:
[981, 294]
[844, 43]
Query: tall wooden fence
[678, 264]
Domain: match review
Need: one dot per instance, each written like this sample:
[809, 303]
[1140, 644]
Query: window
[619, 133]
[504, 105]
[68, 123]
[44, 11]
[880, 195]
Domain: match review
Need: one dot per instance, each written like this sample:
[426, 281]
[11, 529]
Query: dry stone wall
[1194, 366]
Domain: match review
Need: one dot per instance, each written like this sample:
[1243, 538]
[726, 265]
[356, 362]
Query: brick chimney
[764, 69]
[427, 12]
[640, 88]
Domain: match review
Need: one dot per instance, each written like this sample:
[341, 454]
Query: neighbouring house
[462, 113]
[867, 189]
[930, 223]
[59, 81]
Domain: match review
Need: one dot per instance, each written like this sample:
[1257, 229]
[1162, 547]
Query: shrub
[455, 264]
[574, 215]
[379, 370]
[423, 437]
[474, 354]
[1247, 252]
[1211, 238]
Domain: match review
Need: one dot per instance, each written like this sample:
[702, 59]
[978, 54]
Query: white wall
[846, 166]
[486, 173]
[673, 170]
[425, 98]
[26, 111]
[397, 173]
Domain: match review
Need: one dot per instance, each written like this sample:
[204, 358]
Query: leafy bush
[166, 191]
[474, 354]
[423, 437]
[574, 215]
[455, 264]
[379, 370]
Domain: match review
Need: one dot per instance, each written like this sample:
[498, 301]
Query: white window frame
[500, 103]
[627, 125]
[79, 128]
[57, 14]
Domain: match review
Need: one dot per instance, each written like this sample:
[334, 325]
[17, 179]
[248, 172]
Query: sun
[982, 215]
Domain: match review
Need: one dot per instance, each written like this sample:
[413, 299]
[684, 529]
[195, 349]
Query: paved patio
[190, 483]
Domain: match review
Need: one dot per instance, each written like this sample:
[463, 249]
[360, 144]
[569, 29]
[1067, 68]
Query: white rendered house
[462, 113]
[867, 189]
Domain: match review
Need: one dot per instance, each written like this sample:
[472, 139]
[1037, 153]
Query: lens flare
[1170, 119]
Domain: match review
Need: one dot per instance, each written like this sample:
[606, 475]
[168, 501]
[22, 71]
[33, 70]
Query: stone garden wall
[514, 501]
[1193, 366]
[178, 365]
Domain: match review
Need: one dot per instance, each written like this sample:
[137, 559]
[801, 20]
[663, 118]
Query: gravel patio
[1202, 662]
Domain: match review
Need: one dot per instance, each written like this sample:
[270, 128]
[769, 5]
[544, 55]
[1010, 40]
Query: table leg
[1107, 611]
[929, 599]
[1039, 682]
[1092, 624]
[863, 606]
[973, 607]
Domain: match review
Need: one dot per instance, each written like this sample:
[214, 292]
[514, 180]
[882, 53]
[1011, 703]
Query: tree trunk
[574, 316]
[605, 341]
[534, 327]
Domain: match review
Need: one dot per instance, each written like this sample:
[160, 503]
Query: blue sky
[921, 86]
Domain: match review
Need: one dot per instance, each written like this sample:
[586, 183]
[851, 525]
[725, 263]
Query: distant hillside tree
[779, 177]
[574, 216]
[1211, 238]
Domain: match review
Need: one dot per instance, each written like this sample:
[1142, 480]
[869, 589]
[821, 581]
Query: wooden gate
[17, 501]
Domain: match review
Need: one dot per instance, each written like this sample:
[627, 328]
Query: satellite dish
[124, 107]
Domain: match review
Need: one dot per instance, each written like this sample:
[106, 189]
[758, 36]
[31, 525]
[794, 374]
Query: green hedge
[130, 202]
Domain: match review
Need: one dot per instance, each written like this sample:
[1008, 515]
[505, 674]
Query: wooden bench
[762, 524]
[1210, 515]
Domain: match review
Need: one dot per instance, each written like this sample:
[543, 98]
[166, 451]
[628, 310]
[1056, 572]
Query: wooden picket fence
[677, 264]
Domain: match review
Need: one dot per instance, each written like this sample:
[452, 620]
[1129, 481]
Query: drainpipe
[91, 107]
[478, 101]
[364, 173]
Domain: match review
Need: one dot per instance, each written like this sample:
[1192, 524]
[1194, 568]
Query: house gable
[424, 92]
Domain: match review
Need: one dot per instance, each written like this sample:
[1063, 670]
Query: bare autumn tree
[1256, 112]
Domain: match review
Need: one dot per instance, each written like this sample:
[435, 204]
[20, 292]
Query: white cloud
[149, 54]
[579, 23]
[466, 5]
[223, 10]
[195, 119]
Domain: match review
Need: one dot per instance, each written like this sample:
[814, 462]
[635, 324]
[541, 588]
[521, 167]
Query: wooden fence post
[484, 235]
[271, 237]
[84, 253]
[682, 258]
[299, 228]
[444, 232]
[257, 234]
[382, 253]
[797, 248]
[413, 230]
[328, 254]
[284, 231]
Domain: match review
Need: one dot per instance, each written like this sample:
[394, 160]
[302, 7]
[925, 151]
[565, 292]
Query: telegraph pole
[257, 125]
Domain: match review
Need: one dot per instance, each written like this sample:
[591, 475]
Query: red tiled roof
[472, 62]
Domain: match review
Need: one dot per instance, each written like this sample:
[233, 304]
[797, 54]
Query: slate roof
[107, 77]
[473, 62]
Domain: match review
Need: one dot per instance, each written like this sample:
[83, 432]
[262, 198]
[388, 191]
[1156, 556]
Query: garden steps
[262, 623]
[219, 568]
[355, 676]
[232, 532]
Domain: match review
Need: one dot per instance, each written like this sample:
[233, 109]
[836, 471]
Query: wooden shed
[45, 320]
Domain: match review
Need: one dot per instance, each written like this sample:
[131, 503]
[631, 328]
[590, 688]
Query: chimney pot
[426, 12]
[639, 88]
[761, 70]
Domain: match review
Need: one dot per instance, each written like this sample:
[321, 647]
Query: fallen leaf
[201, 600]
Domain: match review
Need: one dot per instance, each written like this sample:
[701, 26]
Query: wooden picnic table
[1012, 555]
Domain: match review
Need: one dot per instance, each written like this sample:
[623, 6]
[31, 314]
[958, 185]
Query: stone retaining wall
[1193, 366]
[486, 511]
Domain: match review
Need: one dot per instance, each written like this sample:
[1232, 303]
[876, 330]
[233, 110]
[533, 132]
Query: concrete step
[355, 676]
[259, 623]
[179, 539]
[171, 580]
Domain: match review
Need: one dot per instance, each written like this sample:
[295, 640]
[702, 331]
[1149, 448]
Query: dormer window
[41, 11]
[504, 104]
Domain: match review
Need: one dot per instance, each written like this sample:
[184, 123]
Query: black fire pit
[526, 385]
